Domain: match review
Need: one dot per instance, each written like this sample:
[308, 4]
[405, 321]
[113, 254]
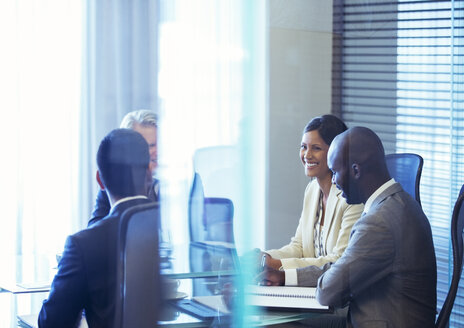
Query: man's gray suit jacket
[388, 272]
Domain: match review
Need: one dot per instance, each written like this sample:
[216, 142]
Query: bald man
[388, 272]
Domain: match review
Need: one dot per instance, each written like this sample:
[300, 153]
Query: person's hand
[270, 277]
[272, 262]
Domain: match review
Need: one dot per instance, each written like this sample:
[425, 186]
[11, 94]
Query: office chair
[219, 215]
[138, 296]
[406, 168]
[457, 225]
[210, 218]
[197, 210]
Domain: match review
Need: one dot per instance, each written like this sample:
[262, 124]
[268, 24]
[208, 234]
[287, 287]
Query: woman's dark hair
[328, 126]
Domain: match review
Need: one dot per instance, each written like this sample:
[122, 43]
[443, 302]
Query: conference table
[201, 269]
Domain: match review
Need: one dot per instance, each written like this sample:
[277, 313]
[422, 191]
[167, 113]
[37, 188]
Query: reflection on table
[34, 272]
[206, 271]
[206, 259]
[200, 288]
[215, 280]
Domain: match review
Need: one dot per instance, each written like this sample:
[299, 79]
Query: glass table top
[201, 269]
[195, 260]
[29, 273]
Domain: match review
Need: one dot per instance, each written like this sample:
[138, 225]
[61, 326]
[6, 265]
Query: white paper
[284, 297]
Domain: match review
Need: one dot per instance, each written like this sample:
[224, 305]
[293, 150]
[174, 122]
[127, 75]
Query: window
[398, 69]
[40, 82]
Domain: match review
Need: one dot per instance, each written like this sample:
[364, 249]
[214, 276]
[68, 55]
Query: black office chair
[210, 218]
[457, 225]
[138, 296]
[197, 210]
[406, 168]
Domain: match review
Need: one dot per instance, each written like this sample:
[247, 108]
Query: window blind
[398, 69]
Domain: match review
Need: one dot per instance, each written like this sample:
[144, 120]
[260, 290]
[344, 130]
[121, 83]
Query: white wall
[300, 54]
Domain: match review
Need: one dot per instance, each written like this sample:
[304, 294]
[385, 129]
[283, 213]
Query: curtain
[40, 103]
[40, 95]
[70, 71]
[398, 69]
[119, 75]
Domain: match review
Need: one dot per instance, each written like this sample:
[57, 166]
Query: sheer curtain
[119, 75]
[40, 63]
[40, 82]
[70, 71]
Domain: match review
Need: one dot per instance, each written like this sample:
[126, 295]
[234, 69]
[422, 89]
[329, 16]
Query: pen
[263, 262]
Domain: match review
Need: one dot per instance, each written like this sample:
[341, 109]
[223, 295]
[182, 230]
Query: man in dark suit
[86, 277]
[144, 122]
[387, 274]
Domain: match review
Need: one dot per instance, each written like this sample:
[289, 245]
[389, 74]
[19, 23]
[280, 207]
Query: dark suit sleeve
[367, 259]
[101, 209]
[64, 305]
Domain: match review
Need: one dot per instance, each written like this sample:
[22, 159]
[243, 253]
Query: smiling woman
[40, 86]
[326, 220]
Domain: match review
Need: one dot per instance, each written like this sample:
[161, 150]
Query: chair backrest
[219, 215]
[197, 210]
[457, 225]
[210, 218]
[406, 168]
[138, 296]
[220, 169]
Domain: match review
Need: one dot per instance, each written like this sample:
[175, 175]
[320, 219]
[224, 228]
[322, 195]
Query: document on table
[215, 302]
[284, 297]
[26, 287]
[41, 285]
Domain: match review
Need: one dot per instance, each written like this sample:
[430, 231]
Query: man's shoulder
[99, 227]
[395, 205]
[112, 218]
[394, 197]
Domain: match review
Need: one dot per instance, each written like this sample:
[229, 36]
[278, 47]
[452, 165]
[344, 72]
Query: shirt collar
[371, 199]
[125, 199]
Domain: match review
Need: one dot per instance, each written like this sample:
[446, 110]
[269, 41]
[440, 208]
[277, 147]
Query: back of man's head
[122, 161]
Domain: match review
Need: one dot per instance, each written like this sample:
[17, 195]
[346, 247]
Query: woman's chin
[310, 174]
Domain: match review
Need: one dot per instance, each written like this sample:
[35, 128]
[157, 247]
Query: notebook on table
[283, 297]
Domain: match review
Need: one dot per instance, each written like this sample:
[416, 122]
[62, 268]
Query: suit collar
[121, 207]
[393, 189]
[377, 193]
[128, 199]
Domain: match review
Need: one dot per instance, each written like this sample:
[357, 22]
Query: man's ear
[100, 183]
[356, 169]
